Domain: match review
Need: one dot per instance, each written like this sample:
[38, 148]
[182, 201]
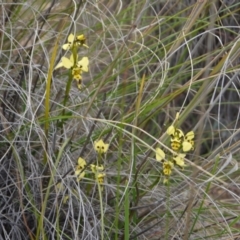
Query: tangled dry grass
[148, 60]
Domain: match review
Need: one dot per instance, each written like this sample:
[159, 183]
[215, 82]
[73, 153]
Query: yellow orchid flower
[79, 173]
[171, 130]
[83, 64]
[80, 40]
[69, 63]
[100, 178]
[167, 168]
[65, 62]
[186, 146]
[179, 159]
[96, 168]
[189, 137]
[69, 45]
[100, 146]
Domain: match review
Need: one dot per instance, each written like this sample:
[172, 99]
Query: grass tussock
[119, 120]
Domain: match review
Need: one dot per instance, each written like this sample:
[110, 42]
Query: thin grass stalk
[197, 10]
[214, 170]
[40, 226]
[47, 100]
[126, 213]
[118, 182]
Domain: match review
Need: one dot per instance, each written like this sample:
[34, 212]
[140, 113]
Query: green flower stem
[69, 82]
[66, 96]
[67, 90]
[70, 78]
[101, 209]
[168, 212]
[100, 197]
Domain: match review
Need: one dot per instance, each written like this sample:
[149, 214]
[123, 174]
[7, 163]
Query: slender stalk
[47, 99]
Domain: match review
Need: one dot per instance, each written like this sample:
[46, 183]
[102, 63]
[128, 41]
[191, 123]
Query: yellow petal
[67, 63]
[93, 168]
[60, 64]
[189, 136]
[179, 159]
[71, 38]
[85, 45]
[81, 40]
[80, 176]
[81, 37]
[69, 44]
[79, 173]
[171, 130]
[182, 155]
[179, 162]
[100, 168]
[186, 146]
[160, 155]
[81, 162]
[66, 46]
[96, 168]
[72, 58]
[83, 64]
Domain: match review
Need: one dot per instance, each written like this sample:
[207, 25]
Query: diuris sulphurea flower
[81, 164]
[80, 66]
[80, 40]
[179, 160]
[95, 168]
[69, 63]
[189, 137]
[100, 177]
[100, 147]
[179, 140]
[99, 174]
[167, 168]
